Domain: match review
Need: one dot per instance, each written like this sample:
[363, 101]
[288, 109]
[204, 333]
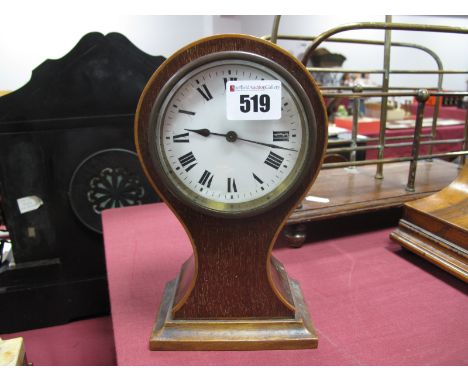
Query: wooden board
[296, 332]
[436, 227]
[357, 191]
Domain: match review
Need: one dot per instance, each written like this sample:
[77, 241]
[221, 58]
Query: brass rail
[274, 37]
[386, 91]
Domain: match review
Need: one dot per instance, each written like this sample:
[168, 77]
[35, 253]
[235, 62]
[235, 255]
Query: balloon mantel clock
[231, 132]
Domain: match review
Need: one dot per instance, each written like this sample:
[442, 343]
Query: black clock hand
[203, 132]
[231, 136]
[266, 144]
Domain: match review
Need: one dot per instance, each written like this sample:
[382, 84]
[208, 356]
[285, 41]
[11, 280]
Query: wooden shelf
[436, 227]
[351, 191]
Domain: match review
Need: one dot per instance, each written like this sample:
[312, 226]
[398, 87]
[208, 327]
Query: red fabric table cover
[371, 302]
[451, 112]
[442, 132]
[86, 342]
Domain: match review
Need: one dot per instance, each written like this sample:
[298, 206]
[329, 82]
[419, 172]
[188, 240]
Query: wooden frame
[436, 227]
[233, 277]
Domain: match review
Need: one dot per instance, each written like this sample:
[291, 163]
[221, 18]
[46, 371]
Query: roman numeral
[206, 178]
[257, 178]
[187, 160]
[280, 136]
[231, 185]
[274, 160]
[181, 138]
[205, 93]
[225, 79]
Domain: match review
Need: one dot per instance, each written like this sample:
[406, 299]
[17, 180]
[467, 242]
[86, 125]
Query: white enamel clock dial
[229, 165]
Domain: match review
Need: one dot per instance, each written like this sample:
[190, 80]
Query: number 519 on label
[253, 100]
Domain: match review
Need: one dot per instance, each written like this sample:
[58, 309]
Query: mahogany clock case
[226, 278]
[224, 46]
[69, 128]
[217, 61]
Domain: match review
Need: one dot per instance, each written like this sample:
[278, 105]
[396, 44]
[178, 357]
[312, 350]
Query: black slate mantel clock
[232, 182]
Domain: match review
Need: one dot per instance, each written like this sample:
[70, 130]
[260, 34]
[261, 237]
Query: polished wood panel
[296, 332]
[231, 255]
[231, 274]
[357, 191]
[436, 227]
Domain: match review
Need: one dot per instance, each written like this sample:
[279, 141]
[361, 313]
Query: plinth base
[436, 227]
[264, 334]
[437, 249]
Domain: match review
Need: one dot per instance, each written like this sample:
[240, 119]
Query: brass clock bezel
[242, 209]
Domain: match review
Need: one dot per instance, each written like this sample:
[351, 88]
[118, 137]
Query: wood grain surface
[267, 334]
[230, 275]
[436, 227]
[357, 191]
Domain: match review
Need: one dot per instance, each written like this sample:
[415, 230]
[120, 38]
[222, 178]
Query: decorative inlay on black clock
[110, 178]
[114, 188]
